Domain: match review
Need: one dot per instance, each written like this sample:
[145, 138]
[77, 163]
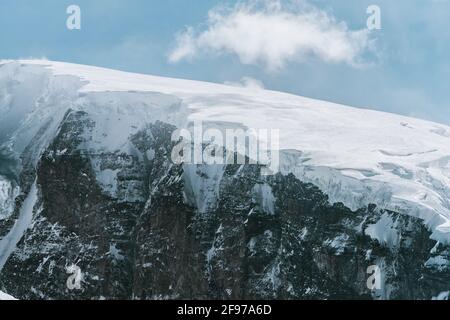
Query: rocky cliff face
[140, 227]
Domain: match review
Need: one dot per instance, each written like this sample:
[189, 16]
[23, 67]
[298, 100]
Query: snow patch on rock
[385, 231]
[9, 242]
[201, 185]
[8, 194]
[263, 196]
[4, 296]
[442, 296]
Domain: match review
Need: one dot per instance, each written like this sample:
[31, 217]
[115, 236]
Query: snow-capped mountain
[86, 178]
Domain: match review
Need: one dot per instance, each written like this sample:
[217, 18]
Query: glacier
[355, 156]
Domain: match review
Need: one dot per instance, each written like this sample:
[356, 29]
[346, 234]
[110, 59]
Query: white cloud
[247, 82]
[272, 34]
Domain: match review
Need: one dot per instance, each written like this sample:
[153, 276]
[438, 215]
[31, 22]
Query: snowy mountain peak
[355, 156]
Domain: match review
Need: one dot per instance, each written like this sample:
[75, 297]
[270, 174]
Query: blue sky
[407, 72]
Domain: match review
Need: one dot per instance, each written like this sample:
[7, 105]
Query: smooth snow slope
[356, 156]
[4, 296]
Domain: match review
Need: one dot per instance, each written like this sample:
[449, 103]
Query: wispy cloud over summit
[273, 34]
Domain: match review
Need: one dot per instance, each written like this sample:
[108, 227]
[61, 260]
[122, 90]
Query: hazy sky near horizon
[315, 48]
